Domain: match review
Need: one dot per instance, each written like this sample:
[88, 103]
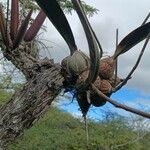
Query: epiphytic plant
[94, 79]
[18, 32]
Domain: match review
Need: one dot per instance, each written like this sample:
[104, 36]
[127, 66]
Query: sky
[126, 15]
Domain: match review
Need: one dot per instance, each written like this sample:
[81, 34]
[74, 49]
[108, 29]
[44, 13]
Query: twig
[7, 17]
[86, 130]
[135, 66]
[130, 142]
[1, 58]
[118, 105]
[145, 20]
[116, 63]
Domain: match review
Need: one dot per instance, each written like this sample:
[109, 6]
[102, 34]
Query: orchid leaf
[93, 47]
[57, 17]
[2, 25]
[132, 39]
[4, 33]
[35, 27]
[14, 18]
[22, 30]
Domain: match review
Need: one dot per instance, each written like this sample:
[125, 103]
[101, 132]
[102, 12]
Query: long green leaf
[22, 30]
[93, 47]
[132, 39]
[57, 17]
[35, 27]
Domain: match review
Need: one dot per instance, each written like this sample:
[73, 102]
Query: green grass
[55, 131]
[4, 96]
[60, 131]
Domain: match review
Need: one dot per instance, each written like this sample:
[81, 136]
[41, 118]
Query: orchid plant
[94, 79]
[19, 31]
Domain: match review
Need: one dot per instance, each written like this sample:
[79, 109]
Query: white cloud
[125, 15]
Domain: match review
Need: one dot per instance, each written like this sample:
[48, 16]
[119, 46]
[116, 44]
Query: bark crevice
[30, 102]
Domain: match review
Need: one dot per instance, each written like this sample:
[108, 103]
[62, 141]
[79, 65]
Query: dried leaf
[83, 102]
[132, 39]
[22, 30]
[2, 25]
[14, 18]
[35, 27]
[57, 17]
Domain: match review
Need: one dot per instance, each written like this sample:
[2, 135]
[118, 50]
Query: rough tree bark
[44, 82]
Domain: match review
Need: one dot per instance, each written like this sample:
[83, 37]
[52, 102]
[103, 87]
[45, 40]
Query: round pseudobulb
[105, 87]
[78, 63]
[106, 68]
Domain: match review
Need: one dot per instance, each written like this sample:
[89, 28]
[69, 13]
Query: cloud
[125, 15]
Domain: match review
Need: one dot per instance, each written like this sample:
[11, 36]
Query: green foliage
[60, 131]
[4, 96]
[65, 4]
[7, 88]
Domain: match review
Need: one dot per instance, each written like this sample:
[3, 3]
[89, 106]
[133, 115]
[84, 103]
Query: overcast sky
[123, 14]
[126, 15]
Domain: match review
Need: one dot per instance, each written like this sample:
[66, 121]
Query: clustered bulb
[106, 71]
[79, 64]
[75, 65]
[107, 67]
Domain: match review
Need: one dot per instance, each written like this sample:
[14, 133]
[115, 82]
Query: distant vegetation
[58, 130]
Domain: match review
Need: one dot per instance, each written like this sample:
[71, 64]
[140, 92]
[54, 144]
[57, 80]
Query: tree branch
[118, 105]
[29, 103]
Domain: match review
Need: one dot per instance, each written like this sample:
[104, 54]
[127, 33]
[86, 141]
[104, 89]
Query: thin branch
[1, 58]
[135, 66]
[7, 17]
[116, 63]
[118, 105]
[145, 20]
[86, 130]
[129, 142]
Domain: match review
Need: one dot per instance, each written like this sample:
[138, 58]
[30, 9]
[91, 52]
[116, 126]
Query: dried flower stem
[116, 63]
[135, 66]
[145, 20]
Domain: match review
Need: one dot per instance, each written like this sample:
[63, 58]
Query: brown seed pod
[96, 100]
[78, 63]
[82, 77]
[105, 87]
[83, 102]
[64, 70]
[114, 82]
[107, 67]
[64, 62]
[75, 64]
